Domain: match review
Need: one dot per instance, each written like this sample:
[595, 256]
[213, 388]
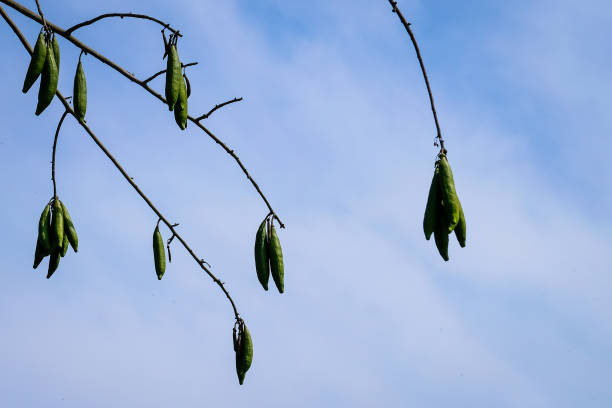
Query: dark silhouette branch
[59, 126]
[58, 30]
[152, 77]
[406, 24]
[219, 106]
[125, 175]
[121, 15]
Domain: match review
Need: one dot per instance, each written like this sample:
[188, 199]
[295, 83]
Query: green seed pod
[180, 108]
[65, 246]
[56, 52]
[275, 253]
[173, 77]
[44, 229]
[39, 254]
[449, 195]
[158, 253]
[441, 233]
[54, 262]
[37, 62]
[262, 263]
[460, 228]
[48, 83]
[79, 93]
[244, 354]
[69, 230]
[431, 209]
[57, 226]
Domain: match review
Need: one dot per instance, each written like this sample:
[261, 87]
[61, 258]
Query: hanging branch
[97, 141]
[121, 15]
[219, 106]
[59, 126]
[406, 24]
[58, 30]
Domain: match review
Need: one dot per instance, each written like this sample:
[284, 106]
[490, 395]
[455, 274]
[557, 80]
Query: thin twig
[152, 77]
[58, 30]
[42, 16]
[59, 126]
[406, 24]
[125, 175]
[122, 15]
[219, 106]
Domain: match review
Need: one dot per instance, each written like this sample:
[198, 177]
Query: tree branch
[125, 175]
[152, 77]
[58, 30]
[219, 106]
[59, 126]
[406, 24]
[122, 15]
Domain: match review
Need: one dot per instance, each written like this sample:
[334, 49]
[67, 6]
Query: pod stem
[67, 35]
[122, 16]
[57, 131]
[406, 24]
[201, 262]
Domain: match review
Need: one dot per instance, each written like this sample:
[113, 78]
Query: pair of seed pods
[56, 233]
[46, 61]
[177, 89]
[443, 213]
[269, 255]
[243, 347]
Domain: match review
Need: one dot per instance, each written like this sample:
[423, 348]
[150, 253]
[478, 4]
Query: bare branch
[152, 77]
[219, 106]
[122, 15]
[406, 24]
[58, 30]
[125, 175]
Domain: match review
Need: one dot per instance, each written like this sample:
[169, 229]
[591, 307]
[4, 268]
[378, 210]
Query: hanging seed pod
[244, 352]
[173, 76]
[188, 84]
[275, 253]
[48, 82]
[431, 209]
[44, 229]
[39, 254]
[79, 93]
[54, 262]
[180, 108]
[37, 62]
[262, 262]
[57, 226]
[449, 195]
[460, 228]
[56, 52]
[159, 255]
[441, 233]
[69, 230]
[65, 246]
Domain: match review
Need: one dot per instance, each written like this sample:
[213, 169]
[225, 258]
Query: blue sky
[336, 129]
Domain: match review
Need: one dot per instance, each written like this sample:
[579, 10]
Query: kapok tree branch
[219, 106]
[122, 15]
[125, 175]
[406, 24]
[59, 126]
[152, 77]
[60, 31]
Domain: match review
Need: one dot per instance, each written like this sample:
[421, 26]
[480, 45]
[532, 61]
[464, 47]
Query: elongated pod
[275, 253]
[44, 228]
[57, 226]
[262, 262]
[48, 83]
[37, 62]
[159, 256]
[54, 262]
[173, 76]
[441, 233]
[69, 230]
[244, 354]
[79, 93]
[180, 108]
[431, 209]
[39, 254]
[449, 194]
[460, 228]
[56, 52]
